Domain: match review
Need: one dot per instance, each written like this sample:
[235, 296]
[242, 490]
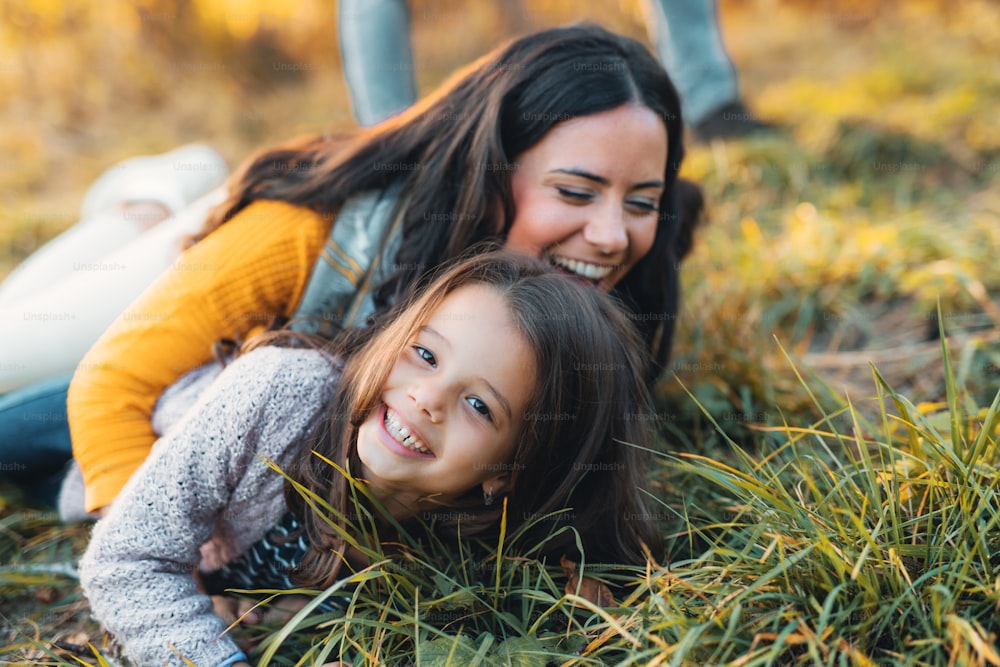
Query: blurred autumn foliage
[85, 84]
[138, 54]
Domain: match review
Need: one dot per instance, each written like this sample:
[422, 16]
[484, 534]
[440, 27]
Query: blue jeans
[688, 41]
[35, 445]
[377, 57]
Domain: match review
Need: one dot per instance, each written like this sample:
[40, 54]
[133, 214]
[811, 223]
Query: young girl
[565, 144]
[502, 380]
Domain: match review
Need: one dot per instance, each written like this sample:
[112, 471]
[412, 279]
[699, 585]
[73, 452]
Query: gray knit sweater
[202, 498]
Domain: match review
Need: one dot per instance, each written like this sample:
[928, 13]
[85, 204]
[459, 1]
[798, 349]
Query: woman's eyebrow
[582, 174]
[603, 181]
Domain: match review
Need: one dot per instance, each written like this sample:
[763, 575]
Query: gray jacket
[202, 497]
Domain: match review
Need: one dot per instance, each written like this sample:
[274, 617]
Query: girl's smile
[400, 437]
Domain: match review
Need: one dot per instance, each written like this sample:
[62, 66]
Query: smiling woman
[441, 408]
[565, 144]
[588, 194]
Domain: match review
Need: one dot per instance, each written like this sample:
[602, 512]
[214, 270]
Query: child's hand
[231, 609]
[241, 611]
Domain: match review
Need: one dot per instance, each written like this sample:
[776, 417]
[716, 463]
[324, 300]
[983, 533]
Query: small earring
[488, 497]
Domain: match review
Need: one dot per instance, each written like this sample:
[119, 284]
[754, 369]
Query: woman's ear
[691, 207]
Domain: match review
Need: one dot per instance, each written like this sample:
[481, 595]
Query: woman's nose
[606, 231]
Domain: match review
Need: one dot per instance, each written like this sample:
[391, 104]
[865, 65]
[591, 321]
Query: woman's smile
[587, 195]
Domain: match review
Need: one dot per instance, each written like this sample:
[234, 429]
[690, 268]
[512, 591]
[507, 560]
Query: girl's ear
[496, 486]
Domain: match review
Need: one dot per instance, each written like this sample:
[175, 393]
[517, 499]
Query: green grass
[828, 472]
[874, 541]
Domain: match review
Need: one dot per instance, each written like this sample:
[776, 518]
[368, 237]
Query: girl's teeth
[402, 434]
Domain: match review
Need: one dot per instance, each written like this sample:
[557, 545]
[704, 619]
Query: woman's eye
[426, 355]
[643, 205]
[479, 406]
[575, 195]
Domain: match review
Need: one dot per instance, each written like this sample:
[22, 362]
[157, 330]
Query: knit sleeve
[230, 285]
[138, 569]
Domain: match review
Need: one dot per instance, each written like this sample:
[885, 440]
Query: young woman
[564, 144]
[500, 385]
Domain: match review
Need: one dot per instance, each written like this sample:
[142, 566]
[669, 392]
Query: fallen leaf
[46, 594]
[591, 589]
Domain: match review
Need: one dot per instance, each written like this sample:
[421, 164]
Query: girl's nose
[428, 398]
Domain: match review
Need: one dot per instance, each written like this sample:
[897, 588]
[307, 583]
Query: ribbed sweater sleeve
[229, 285]
[204, 478]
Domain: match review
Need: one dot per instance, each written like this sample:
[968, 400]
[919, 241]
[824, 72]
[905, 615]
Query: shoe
[173, 179]
[730, 121]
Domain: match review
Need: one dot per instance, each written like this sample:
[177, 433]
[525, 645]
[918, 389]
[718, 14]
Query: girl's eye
[479, 406]
[575, 195]
[426, 355]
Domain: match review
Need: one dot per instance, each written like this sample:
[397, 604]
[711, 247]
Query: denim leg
[377, 56]
[34, 431]
[690, 46]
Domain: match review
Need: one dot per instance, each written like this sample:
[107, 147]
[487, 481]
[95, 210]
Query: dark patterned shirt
[269, 563]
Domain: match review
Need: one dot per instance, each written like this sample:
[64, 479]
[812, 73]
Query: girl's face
[587, 195]
[453, 404]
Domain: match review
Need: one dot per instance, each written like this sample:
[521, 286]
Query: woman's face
[587, 195]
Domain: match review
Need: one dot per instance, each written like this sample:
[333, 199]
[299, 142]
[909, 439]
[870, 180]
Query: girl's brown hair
[574, 446]
[452, 154]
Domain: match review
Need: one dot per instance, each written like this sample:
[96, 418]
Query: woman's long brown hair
[452, 154]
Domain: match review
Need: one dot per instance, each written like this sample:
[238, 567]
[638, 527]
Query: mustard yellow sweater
[230, 285]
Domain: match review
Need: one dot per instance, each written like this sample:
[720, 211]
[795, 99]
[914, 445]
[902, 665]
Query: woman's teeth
[584, 269]
[402, 434]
